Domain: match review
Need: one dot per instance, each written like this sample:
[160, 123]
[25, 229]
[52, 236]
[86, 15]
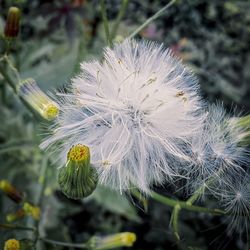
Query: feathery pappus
[137, 110]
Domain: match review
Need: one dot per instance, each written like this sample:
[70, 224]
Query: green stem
[119, 18]
[196, 195]
[17, 227]
[202, 188]
[141, 198]
[15, 87]
[13, 68]
[43, 174]
[151, 19]
[174, 221]
[105, 21]
[66, 244]
[42, 179]
[8, 79]
[183, 205]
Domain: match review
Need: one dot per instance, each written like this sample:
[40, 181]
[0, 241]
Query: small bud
[12, 244]
[126, 239]
[31, 210]
[24, 244]
[15, 216]
[12, 24]
[11, 191]
[78, 179]
[38, 100]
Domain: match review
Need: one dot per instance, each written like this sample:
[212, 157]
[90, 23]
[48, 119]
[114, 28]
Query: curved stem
[8, 78]
[174, 221]
[183, 205]
[13, 85]
[196, 195]
[66, 244]
[151, 19]
[17, 227]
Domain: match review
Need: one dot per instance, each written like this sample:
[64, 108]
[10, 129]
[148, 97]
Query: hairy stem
[151, 19]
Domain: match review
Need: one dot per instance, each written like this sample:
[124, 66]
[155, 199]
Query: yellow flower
[78, 179]
[79, 153]
[12, 244]
[31, 210]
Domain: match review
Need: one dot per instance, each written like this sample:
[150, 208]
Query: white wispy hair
[235, 199]
[216, 152]
[137, 110]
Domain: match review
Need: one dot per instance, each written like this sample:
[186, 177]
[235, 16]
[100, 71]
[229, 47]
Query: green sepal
[77, 180]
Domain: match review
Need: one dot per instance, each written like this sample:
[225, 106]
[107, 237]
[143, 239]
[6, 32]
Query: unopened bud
[125, 239]
[38, 100]
[12, 24]
[31, 210]
[15, 216]
[10, 191]
[78, 179]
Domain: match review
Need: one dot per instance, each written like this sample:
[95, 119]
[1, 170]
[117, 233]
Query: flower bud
[24, 244]
[12, 244]
[20, 213]
[31, 210]
[78, 179]
[125, 239]
[11, 191]
[12, 24]
[37, 99]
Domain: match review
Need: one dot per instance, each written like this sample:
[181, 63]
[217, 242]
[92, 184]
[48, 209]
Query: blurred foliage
[213, 37]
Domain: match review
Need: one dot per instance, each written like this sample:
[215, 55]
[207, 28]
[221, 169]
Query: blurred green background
[212, 37]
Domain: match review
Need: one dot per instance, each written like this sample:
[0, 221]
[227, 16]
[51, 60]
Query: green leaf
[56, 72]
[115, 202]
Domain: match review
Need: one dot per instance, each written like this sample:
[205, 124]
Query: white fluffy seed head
[235, 199]
[216, 152]
[136, 111]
